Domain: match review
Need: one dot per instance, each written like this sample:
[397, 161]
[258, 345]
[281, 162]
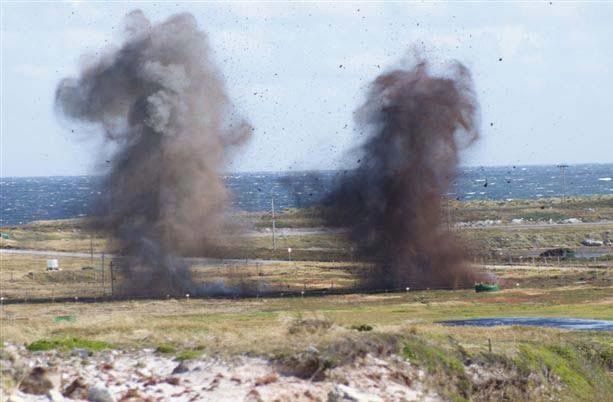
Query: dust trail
[161, 102]
[416, 125]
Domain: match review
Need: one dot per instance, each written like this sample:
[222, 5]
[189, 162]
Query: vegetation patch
[535, 372]
[445, 367]
[310, 326]
[165, 348]
[362, 327]
[68, 344]
[188, 355]
[313, 362]
[583, 377]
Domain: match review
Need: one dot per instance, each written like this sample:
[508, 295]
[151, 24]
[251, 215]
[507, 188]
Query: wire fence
[104, 278]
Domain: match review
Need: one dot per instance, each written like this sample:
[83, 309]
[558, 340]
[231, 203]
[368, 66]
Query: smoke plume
[162, 104]
[416, 125]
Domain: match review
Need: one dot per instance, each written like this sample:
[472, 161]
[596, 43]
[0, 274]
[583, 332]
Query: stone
[181, 368]
[55, 395]
[344, 393]
[133, 396]
[99, 393]
[15, 398]
[82, 353]
[267, 379]
[312, 349]
[253, 396]
[76, 390]
[36, 382]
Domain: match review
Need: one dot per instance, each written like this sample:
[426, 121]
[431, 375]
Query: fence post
[103, 288]
[112, 280]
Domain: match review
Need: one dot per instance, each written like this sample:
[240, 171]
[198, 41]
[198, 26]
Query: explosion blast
[162, 103]
[416, 124]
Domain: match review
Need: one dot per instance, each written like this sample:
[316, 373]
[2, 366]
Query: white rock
[82, 353]
[55, 395]
[99, 394]
[343, 393]
[312, 349]
[15, 398]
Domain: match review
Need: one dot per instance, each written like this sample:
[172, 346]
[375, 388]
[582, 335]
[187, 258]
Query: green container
[487, 287]
[65, 318]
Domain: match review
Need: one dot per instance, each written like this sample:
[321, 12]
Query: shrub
[362, 327]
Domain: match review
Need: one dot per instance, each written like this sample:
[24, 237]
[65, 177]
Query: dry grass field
[343, 327]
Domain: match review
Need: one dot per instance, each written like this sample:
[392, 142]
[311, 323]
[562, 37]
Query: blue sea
[25, 199]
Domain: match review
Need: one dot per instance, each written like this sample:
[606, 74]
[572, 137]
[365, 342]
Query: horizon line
[329, 170]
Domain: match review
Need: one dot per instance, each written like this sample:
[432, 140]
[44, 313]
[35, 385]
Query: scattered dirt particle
[253, 396]
[150, 381]
[267, 379]
[401, 378]
[214, 384]
[172, 380]
[76, 390]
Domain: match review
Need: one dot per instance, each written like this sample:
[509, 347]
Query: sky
[297, 72]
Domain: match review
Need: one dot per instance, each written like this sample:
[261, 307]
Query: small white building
[53, 265]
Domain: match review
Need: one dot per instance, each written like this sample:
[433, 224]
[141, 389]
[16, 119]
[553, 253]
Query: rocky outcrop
[121, 376]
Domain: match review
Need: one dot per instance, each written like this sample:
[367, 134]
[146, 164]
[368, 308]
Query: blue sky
[298, 71]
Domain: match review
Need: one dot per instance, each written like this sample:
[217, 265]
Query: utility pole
[102, 271]
[272, 204]
[448, 208]
[562, 168]
[91, 250]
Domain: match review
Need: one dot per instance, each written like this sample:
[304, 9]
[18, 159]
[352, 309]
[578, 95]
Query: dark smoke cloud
[416, 125]
[161, 101]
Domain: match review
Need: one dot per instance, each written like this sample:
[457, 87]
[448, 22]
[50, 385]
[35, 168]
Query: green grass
[188, 355]
[166, 348]
[584, 378]
[445, 367]
[550, 365]
[68, 344]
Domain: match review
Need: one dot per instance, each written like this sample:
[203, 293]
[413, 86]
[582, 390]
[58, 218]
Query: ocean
[25, 199]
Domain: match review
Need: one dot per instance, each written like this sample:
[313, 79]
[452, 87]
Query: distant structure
[53, 265]
[562, 168]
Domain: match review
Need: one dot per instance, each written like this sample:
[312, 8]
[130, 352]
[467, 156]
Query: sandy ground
[148, 376]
